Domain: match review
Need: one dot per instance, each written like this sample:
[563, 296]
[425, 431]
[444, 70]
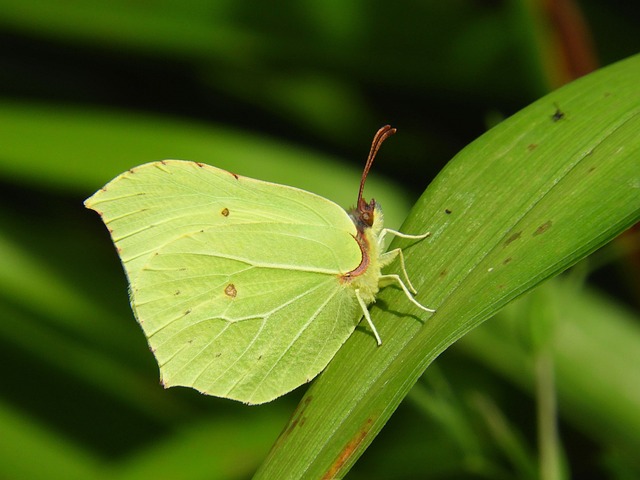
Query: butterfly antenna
[380, 136]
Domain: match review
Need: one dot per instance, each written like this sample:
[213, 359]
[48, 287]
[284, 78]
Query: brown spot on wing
[230, 290]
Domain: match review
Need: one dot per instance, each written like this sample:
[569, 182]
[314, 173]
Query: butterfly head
[364, 214]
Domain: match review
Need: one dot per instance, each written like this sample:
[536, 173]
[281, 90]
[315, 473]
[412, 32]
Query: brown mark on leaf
[297, 418]
[225, 212]
[447, 211]
[187, 312]
[543, 228]
[201, 165]
[507, 260]
[348, 450]
[230, 290]
[532, 146]
[512, 238]
[177, 292]
[443, 273]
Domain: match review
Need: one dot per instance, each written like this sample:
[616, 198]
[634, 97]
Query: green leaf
[523, 203]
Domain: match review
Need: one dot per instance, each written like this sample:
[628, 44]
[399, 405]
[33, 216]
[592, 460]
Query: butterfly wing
[234, 281]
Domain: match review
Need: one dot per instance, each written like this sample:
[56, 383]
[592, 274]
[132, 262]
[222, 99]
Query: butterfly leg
[400, 234]
[365, 311]
[394, 278]
[387, 257]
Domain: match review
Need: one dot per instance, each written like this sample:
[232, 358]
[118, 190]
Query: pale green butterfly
[244, 289]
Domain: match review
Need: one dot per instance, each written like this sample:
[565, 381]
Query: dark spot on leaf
[230, 290]
[506, 260]
[177, 292]
[201, 165]
[218, 355]
[532, 146]
[447, 211]
[543, 228]
[558, 115]
[512, 238]
[295, 418]
[443, 273]
[225, 212]
[187, 312]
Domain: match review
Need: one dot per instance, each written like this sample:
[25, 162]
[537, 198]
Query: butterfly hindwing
[248, 333]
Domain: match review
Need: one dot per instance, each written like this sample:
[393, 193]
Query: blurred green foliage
[289, 92]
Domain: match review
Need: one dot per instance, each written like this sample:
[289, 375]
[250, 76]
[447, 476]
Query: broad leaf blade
[521, 204]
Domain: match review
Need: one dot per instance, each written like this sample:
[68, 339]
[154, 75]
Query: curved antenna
[380, 136]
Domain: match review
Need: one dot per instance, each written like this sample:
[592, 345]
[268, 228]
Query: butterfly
[245, 289]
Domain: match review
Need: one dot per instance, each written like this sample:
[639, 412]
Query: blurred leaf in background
[288, 92]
